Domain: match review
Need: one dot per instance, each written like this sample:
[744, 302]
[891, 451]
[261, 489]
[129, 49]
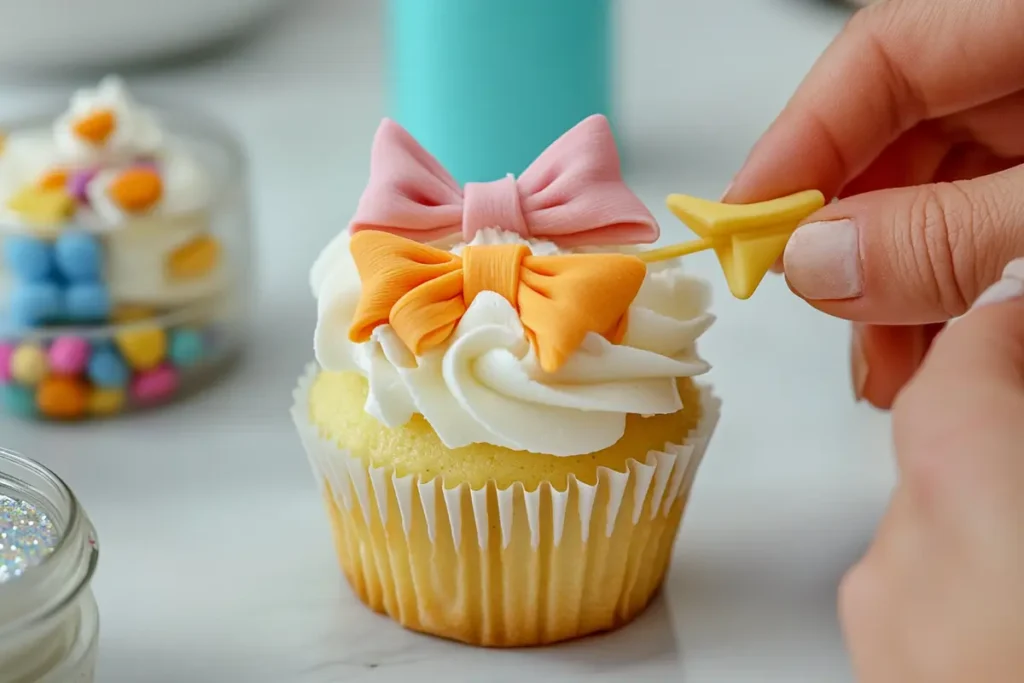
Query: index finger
[893, 66]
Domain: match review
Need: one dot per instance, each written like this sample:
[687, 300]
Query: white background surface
[216, 560]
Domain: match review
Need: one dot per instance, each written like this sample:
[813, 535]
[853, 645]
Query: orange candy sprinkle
[137, 190]
[96, 127]
[62, 398]
[54, 179]
[194, 259]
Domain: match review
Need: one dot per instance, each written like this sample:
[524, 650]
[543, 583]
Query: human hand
[914, 117]
[938, 598]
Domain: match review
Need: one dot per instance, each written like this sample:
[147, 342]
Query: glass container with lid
[125, 256]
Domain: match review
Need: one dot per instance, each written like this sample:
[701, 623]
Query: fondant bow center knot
[423, 292]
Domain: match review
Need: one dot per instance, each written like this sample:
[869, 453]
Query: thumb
[911, 255]
[971, 384]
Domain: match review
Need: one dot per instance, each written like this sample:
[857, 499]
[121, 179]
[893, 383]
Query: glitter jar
[110, 307]
[49, 622]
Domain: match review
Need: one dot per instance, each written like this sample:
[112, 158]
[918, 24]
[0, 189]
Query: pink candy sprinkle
[69, 355]
[78, 183]
[155, 385]
[6, 351]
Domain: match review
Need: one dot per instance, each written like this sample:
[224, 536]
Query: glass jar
[160, 338]
[49, 622]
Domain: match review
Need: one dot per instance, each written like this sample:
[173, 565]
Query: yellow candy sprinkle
[194, 259]
[29, 364]
[105, 401]
[42, 206]
[144, 347]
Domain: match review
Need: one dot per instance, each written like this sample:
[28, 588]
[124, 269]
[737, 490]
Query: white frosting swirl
[186, 189]
[138, 137]
[136, 129]
[485, 385]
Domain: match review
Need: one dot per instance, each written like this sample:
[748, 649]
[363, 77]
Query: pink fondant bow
[573, 194]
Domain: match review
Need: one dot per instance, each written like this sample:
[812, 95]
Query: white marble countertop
[216, 560]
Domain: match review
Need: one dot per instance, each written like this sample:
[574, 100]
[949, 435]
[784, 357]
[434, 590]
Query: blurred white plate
[51, 34]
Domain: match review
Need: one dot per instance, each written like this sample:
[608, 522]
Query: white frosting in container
[137, 246]
[485, 385]
[137, 130]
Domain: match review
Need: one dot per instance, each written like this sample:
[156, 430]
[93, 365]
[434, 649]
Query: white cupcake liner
[660, 481]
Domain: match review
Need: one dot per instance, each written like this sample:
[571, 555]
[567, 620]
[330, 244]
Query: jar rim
[72, 530]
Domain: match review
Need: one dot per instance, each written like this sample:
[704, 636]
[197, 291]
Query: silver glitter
[27, 536]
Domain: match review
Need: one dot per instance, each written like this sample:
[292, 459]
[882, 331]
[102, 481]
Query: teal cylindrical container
[486, 85]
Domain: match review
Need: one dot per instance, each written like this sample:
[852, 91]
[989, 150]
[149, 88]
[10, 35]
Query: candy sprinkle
[137, 189]
[27, 537]
[96, 127]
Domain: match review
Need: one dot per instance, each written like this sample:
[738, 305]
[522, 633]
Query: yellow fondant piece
[423, 292]
[747, 238]
[194, 259]
[42, 206]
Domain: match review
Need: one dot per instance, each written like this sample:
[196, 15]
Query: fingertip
[889, 357]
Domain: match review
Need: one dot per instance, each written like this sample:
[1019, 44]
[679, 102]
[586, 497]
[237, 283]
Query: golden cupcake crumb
[336, 405]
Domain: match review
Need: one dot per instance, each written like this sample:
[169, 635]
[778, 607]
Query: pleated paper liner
[505, 567]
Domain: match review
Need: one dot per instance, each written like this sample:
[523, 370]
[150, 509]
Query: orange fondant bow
[423, 292]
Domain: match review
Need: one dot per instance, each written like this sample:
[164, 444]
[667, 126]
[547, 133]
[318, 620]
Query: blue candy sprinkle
[30, 259]
[34, 303]
[18, 400]
[186, 347]
[79, 257]
[87, 302]
[107, 368]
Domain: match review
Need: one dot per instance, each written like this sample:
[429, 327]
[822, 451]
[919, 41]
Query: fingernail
[1010, 286]
[858, 365]
[823, 260]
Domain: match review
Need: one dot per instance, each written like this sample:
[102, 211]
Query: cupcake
[503, 419]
